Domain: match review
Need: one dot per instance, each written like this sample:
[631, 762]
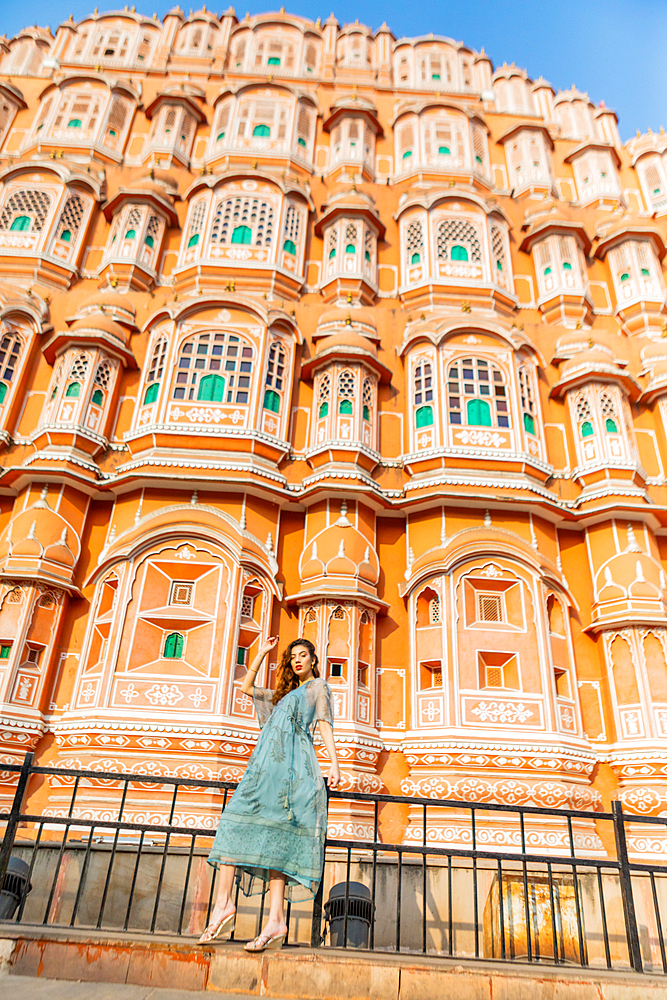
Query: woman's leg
[276, 922]
[224, 904]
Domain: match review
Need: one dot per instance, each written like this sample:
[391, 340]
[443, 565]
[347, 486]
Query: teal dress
[277, 817]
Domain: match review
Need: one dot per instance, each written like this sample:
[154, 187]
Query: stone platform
[325, 974]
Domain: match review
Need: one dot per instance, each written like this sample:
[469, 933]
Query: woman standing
[274, 828]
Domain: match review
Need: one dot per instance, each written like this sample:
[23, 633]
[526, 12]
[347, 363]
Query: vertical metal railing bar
[424, 885]
[658, 922]
[112, 859]
[554, 930]
[577, 909]
[14, 819]
[137, 862]
[450, 924]
[232, 936]
[82, 877]
[347, 895]
[56, 874]
[316, 920]
[211, 893]
[526, 899]
[287, 919]
[603, 913]
[373, 891]
[399, 890]
[473, 835]
[501, 909]
[627, 897]
[260, 915]
[186, 883]
[26, 887]
[163, 864]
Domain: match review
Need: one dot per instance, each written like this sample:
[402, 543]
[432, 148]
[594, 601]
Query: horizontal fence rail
[468, 880]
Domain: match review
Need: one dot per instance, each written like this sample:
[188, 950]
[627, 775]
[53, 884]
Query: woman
[274, 828]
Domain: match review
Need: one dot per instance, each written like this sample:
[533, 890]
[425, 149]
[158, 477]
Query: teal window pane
[130, 234]
[262, 130]
[345, 407]
[479, 413]
[567, 267]
[194, 240]
[586, 429]
[611, 425]
[242, 234]
[301, 142]
[289, 246]
[625, 276]
[66, 235]
[645, 272]
[274, 61]
[350, 248]
[3, 392]
[150, 242]
[366, 413]
[272, 401]
[220, 136]
[424, 416]
[73, 390]
[211, 389]
[74, 123]
[332, 254]
[499, 265]
[407, 154]
[528, 423]
[416, 258]
[444, 151]
[5, 650]
[20, 224]
[547, 270]
[173, 646]
[435, 76]
[478, 159]
[367, 256]
[152, 393]
[324, 410]
[459, 253]
[97, 398]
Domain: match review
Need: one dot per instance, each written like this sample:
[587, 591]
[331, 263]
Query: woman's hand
[265, 647]
[333, 777]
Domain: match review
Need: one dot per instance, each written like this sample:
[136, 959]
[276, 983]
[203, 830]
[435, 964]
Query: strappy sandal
[266, 942]
[214, 931]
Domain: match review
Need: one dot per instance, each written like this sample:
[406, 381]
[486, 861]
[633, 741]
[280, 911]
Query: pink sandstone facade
[310, 330]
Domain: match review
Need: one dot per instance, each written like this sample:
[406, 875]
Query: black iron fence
[127, 852]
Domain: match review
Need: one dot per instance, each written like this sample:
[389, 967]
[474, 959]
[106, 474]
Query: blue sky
[614, 49]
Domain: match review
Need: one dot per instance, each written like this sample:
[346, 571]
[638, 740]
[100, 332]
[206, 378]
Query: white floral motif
[88, 692]
[502, 711]
[164, 694]
[198, 698]
[129, 693]
[482, 439]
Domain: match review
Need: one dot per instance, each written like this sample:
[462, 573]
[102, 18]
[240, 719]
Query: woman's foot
[272, 936]
[221, 919]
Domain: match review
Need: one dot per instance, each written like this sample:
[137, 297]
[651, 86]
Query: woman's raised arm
[263, 651]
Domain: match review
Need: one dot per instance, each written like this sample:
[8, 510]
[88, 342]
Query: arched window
[196, 223]
[275, 377]
[73, 390]
[557, 264]
[528, 408]
[101, 382]
[477, 394]
[346, 393]
[367, 399]
[263, 130]
[263, 123]
[10, 350]
[244, 220]
[155, 372]
[70, 219]
[584, 416]
[422, 384]
[292, 230]
[25, 210]
[414, 242]
[458, 240]
[173, 646]
[323, 396]
[444, 142]
[213, 353]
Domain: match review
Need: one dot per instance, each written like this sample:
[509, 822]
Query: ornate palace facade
[310, 330]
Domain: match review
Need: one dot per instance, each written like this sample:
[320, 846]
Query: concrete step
[181, 967]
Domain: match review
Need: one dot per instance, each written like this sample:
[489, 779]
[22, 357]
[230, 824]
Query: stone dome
[346, 338]
[340, 551]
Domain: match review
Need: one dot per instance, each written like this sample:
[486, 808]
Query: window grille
[157, 361]
[365, 618]
[476, 393]
[423, 383]
[338, 614]
[583, 408]
[332, 242]
[434, 611]
[311, 58]
[78, 369]
[239, 57]
[247, 605]
[304, 127]
[71, 217]
[479, 150]
[10, 351]
[494, 676]
[47, 601]
[196, 222]
[15, 596]
[31, 202]
[184, 134]
[133, 219]
[292, 224]
[43, 115]
[181, 593]
[311, 615]
[367, 399]
[607, 406]
[528, 407]
[444, 143]
[489, 608]
[255, 215]
[499, 252]
[458, 240]
[221, 125]
[406, 142]
[414, 241]
[214, 367]
[350, 237]
[116, 122]
[103, 374]
[323, 395]
[275, 367]
[346, 392]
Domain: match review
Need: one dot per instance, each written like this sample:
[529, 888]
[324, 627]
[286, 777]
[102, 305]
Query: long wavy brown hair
[287, 680]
